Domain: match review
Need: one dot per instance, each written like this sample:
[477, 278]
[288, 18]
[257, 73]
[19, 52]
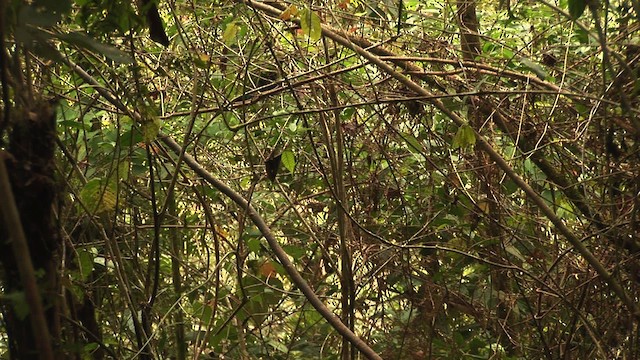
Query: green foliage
[449, 258]
[465, 137]
[288, 160]
[150, 129]
[83, 41]
[576, 8]
[19, 304]
[230, 34]
[310, 24]
[99, 196]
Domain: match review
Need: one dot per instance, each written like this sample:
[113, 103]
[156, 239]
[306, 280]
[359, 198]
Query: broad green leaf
[254, 245]
[576, 8]
[413, 144]
[261, 297]
[347, 113]
[74, 124]
[310, 24]
[535, 67]
[278, 346]
[230, 33]
[90, 347]
[150, 129]
[565, 210]
[19, 303]
[515, 252]
[464, 137]
[97, 197]
[295, 251]
[288, 160]
[85, 263]
[84, 41]
[123, 170]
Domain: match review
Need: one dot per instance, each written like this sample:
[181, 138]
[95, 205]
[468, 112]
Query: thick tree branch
[25, 265]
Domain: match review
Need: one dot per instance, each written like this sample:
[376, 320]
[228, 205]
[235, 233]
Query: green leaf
[464, 137]
[254, 245]
[288, 160]
[310, 24]
[97, 197]
[515, 252]
[150, 129]
[19, 303]
[90, 347]
[230, 33]
[83, 41]
[295, 251]
[85, 263]
[413, 144]
[535, 67]
[576, 8]
[74, 124]
[261, 297]
[123, 169]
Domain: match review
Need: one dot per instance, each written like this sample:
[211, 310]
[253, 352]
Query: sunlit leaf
[98, 197]
[150, 129]
[465, 137]
[202, 60]
[289, 12]
[230, 33]
[288, 160]
[310, 24]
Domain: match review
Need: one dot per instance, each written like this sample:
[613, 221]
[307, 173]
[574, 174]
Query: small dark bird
[271, 166]
[156, 27]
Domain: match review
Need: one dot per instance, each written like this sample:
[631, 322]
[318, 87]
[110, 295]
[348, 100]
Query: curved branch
[296, 278]
[486, 147]
[282, 256]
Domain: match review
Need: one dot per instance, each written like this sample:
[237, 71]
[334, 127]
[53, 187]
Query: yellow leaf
[230, 33]
[290, 12]
[204, 58]
[483, 204]
[268, 270]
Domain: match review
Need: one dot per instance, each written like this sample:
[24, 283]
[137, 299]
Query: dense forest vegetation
[340, 179]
